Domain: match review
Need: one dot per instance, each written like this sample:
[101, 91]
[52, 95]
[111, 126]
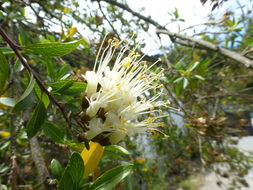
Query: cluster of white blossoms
[115, 97]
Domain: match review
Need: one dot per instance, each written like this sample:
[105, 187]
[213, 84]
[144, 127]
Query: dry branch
[183, 39]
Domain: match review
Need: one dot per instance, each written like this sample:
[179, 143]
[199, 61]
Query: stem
[15, 47]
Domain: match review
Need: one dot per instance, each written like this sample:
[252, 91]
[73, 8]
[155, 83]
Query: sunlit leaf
[112, 177]
[117, 148]
[7, 101]
[54, 49]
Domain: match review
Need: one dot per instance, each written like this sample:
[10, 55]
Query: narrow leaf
[37, 120]
[68, 87]
[53, 131]
[112, 177]
[53, 49]
[24, 100]
[76, 169]
[73, 174]
[193, 66]
[7, 101]
[56, 169]
[4, 71]
[117, 148]
[185, 82]
[199, 77]
[66, 182]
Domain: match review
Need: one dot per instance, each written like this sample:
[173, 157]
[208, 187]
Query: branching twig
[127, 8]
[14, 47]
[111, 25]
[208, 45]
[174, 36]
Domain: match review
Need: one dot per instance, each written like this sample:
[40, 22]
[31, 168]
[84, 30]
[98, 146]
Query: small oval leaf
[56, 169]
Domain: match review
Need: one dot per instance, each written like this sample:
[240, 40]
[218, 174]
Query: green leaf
[18, 66]
[53, 49]
[53, 131]
[7, 101]
[66, 182]
[56, 169]
[23, 37]
[129, 183]
[64, 71]
[6, 51]
[185, 82]
[37, 120]
[42, 96]
[4, 71]
[25, 100]
[193, 66]
[63, 86]
[51, 70]
[117, 148]
[74, 171]
[112, 177]
[199, 77]
[178, 80]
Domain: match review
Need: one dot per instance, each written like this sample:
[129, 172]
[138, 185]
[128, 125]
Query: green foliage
[7, 101]
[4, 72]
[117, 148]
[53, 49]
[26, 99]
[54, 132]
[56, 169]
[37, 120]
[111, 178]
[73, 173]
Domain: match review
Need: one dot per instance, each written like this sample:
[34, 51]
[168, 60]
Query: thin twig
[43, 173]
[208, 45]
[15, 47]
[111, 25]
[14, 165]
[182, 38]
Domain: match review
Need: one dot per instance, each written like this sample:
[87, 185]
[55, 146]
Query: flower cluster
[115, 102]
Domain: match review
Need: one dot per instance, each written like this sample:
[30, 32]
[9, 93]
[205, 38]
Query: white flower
[117, 95]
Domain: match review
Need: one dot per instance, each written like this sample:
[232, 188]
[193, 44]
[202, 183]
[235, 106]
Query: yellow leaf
[140, 160]
[92, 157]
[65, 10]
[72, 31]
[4, 134]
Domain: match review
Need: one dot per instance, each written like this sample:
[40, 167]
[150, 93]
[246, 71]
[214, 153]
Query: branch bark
[15, 47]
[208, 45]
[43, 174]
[183, 39]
